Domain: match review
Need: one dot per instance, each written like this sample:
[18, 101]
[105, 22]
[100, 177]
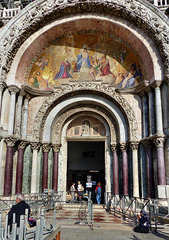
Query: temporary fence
[128, 208]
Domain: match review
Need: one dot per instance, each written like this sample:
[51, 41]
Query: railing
[128, 208]
[7, 14]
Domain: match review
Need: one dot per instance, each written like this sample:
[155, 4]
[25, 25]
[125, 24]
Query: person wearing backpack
[98, 192]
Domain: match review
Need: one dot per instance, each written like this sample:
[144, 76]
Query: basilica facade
[84, 94]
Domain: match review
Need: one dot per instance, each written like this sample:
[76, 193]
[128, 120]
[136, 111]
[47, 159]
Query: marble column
[134, 147]
[19, 169]
[46, 148]
[159, 141]
[18, 118]
[2, 87]
[158, 107]
[9, 165]
[151, 113]
[13, 91]
[125, 168]
[25, 116]
[149, 164]
[56, 149]
[115, 169]
[35, 146]
[145, 116]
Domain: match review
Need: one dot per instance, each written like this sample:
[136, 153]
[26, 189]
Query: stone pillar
[13, 90]
[56, 149]
[115, 169]
[46, 148]
[2, 87]
[9, 165]
[19, 169]
[149, 164]
[25, 116]
[151, 113]
[134, 147]
[159, 141]
[145, 116]
[125, 168]
[18, 118]
[35, 146]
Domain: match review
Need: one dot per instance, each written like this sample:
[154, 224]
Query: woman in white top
[80, 190]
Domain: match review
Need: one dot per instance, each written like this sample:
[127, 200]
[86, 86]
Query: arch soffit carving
[74, 112]
[77, 88]
[35, 15]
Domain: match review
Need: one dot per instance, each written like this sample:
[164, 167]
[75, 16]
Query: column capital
[2, 85]
[10, 141]
[46, 147]
[134, 145]
[147, 143]
[56, 147]
[159, 141]
[22, 93]
[13, 89]
[156, 84]
[22, 144]
[35, 145]
[113, 146]
[28, 97]
[123, 146]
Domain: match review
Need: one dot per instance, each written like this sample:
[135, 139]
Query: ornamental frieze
[153, 23]
[98, 89]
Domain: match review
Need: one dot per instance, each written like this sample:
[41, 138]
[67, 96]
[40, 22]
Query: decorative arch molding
[79, 88]
[141, 13]
[76, 111]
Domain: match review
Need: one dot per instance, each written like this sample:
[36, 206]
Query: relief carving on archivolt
[96, 89]
[88, 109]
[32, 18]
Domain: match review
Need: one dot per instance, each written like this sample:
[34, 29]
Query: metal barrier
[128, 208]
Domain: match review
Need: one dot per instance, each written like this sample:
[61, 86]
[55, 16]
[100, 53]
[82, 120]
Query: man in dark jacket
[18, 209]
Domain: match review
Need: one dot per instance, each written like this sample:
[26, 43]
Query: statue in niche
[85, 128]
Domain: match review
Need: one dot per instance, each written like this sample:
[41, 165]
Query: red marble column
[115, 169]
[19, 169]
[56, 149]
[160, 160]
[46, 148]
[9, 166]
[125, 168]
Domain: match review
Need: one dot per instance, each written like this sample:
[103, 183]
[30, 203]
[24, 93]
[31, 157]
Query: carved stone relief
[98, 89]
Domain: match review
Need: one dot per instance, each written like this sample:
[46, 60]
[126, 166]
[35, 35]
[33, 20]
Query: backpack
[99, 190]
[32, 221]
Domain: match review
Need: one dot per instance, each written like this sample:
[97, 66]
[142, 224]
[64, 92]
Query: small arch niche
[86, 126]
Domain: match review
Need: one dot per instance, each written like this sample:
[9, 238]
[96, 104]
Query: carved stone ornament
[13, 89]
[88, 109]
[2, 85]
[10, 141]
[56, 147]
[141, 13]
[35, 145]
[134, 145]
[147, 143]
[159, 141]
[98, 89]
[123, 146]
[113, 146]
[22, 144]
[46, 147]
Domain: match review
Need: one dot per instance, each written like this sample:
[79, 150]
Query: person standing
[98, 192]
[80, 189]
[72, 191]
[18, 209]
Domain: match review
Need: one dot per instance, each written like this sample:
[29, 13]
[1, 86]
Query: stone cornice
[39, 13]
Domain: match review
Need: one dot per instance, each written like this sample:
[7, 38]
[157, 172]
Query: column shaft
[34, 171]
[159, 124]
[145, 116]
[19, 171]
[151, 114]
[45, 171]
[8, 171]
[125, 172]
[11, 113]
[25, 117]
[161, 166]
[115, 173]
[18, 116]
[55, 171]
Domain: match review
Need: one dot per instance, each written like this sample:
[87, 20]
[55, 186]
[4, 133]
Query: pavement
[109, 227]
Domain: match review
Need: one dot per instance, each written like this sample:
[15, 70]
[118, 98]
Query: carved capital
[113, 146]
[35, 145]
[147, 143]
[134, 145]
[159, 141]
[10, 141]
[156, 84]
[2, 85]
[22, 144]
[13, 89]
[22, 93]
[56, 147]
[46, 147]
[123, 146]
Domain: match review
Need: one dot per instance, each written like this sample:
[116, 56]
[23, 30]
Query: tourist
[80, 190]
[72, 191]
[143, 226]
[98, 192]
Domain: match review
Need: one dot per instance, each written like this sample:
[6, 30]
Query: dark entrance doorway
[86, 160]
